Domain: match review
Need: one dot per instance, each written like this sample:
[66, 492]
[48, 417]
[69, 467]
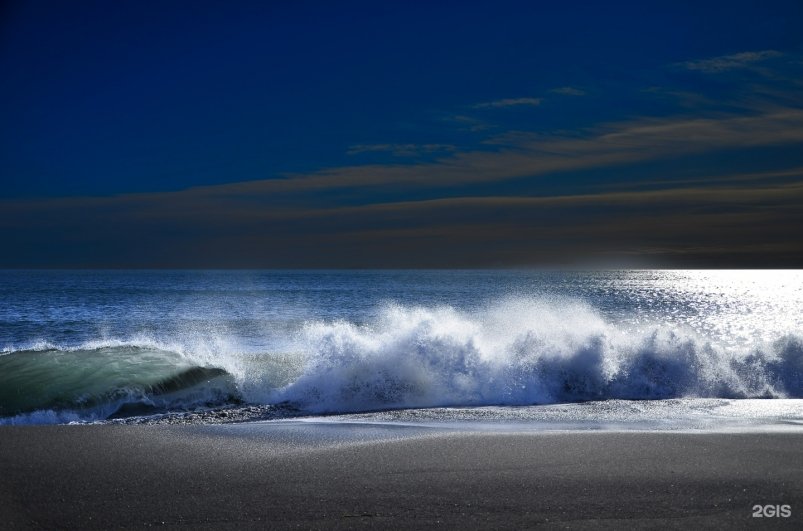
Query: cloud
[532, 155]
[518, 156]
[470, 123]
[509, 102]
[729, 62]
[401, 150]
[568, 91]
[452, 211]
[694, 223]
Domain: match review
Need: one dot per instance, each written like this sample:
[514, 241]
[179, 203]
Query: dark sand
[318, 476]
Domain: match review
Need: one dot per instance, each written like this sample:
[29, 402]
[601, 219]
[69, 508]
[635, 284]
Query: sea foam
[525, 351]
[515, 351]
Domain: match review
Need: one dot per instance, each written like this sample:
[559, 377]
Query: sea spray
[522, 351]
[138, 343]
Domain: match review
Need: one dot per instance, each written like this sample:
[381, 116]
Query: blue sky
[390, 134]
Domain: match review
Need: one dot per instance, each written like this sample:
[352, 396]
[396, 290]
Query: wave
[104, 380]
[513, 352]
[520, 352]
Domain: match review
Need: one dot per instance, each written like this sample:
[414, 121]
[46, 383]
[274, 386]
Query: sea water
[596, 348]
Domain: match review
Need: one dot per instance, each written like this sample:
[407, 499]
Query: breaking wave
[93, 382]
[521, 352]
[514, 352]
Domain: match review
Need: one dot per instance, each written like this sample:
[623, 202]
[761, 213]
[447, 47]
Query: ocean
[600, 349]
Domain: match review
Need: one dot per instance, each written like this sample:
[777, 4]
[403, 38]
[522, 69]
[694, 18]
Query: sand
[309, 476]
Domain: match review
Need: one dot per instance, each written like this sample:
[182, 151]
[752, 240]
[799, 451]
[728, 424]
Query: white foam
[525, 351]
[517, 351]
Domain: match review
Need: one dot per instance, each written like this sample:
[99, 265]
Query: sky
[401, 134]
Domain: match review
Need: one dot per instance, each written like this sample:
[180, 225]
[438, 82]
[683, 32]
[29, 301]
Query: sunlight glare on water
[728, 307]
[349, 341]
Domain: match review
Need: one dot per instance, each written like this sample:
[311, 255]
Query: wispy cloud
[447, 209]
[509, 102]
[694, 224]
[401, 150]
[568, 91]
[470, 123]
[528, 155]
[729, 62]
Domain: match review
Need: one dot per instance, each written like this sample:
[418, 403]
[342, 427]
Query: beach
[318, 475]
[401, 399]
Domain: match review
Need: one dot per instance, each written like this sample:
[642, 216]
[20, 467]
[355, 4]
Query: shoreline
[668, 414]
[324, 475]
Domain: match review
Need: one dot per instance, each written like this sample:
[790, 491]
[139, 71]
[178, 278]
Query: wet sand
[307, 475]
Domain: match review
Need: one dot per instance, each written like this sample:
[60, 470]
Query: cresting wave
[46, 384]
[515, 352]
[527, 352]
